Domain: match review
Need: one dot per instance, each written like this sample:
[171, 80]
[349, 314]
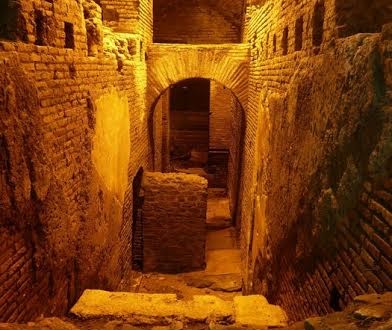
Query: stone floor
[218, 210]
[222, 250]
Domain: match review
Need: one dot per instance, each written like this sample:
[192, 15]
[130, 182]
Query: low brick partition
[174, 222]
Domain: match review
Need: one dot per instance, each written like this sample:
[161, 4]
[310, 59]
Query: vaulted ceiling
[198, 21]
[231, 10]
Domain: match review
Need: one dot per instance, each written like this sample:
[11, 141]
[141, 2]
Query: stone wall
[361, 16]
[174, 222]
[313, 242]
[65, 221]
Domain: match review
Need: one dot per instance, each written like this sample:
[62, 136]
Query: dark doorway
[8, 19]
[318, 23]
[189, 119]
[69, 35]
[197, 127]
[137, 224]
[40, 31]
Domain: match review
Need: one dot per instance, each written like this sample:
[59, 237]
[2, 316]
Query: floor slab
[221, 239]
[225, 261]
[218, 210]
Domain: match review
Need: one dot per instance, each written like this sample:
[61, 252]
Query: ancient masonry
[305, 91]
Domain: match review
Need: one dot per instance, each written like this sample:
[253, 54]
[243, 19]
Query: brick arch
[225, 64]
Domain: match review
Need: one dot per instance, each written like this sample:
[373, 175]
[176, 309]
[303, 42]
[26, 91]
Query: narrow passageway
[222, 274]
[206, 299]
[222, 248]
[218, 210]
[194, 165]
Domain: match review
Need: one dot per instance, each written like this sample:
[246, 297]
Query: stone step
[165, 309]
[219, 224]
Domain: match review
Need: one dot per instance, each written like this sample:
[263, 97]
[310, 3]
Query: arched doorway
[197, 126]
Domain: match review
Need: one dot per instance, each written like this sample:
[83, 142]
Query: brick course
[294, 273]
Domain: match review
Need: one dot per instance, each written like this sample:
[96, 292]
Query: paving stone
[221, 239]
[225, 283]
[227, 261]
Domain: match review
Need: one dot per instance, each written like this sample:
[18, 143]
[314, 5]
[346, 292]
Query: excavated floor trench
[189, 300]
[222, 276]
[209, 299]
[197, 300]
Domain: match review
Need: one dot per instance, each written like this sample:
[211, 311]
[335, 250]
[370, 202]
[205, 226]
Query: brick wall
[220, 116]
[121, 15]
[195, 22]
[162, 133]
[301, 198]
[137, 222]
[129, 16]
[270, 71]
[166, 133]
[174, 215]
[301, 120]
[361, 264]
[54, 205]
[145, 27]
[19, 291]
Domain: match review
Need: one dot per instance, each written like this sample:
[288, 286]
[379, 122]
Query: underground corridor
[174, 165]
